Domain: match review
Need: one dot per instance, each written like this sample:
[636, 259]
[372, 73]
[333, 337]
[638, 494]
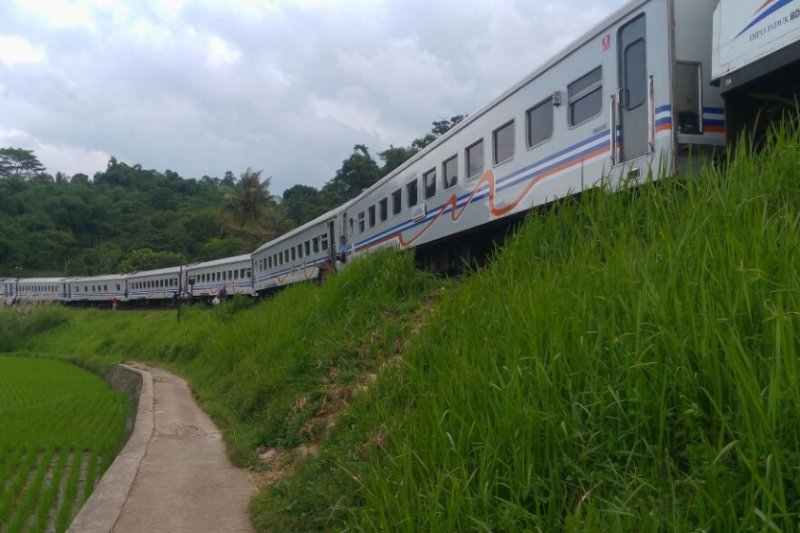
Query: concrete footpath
[182, 480]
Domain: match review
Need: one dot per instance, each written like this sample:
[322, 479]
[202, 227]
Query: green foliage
[19, 163]
[147, 259]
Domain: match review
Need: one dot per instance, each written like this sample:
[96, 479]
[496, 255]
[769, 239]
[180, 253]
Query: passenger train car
[296, 256]
[653, 84]
[161, 284]
[35, 290]
[96, 289]
[208, 278]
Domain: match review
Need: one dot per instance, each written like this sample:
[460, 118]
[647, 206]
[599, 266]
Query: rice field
[60, 428]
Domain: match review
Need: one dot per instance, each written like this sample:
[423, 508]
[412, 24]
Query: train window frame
[383, 209]
[293, 251]
[429, 183]
[300, 251]
[468, 159]
[412, 193]
[497, 140]
[307, 246]
[397, 201]
[362, 221]
[371, 218]
[448, 183]
[531, 119]
[581, 89]
[315, 241]
[324, 242]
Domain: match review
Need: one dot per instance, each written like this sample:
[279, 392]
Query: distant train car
[207, 278]
[97, 288]
[756, 61]
[628, 100]
[6, 290]
[161, 284]
[39, 290]
[296, 256]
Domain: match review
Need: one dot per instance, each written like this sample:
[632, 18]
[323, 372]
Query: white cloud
[220, 52]
[16, 51]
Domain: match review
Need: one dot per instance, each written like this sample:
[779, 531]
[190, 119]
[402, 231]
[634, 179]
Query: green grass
[51, 413]
[629, 362]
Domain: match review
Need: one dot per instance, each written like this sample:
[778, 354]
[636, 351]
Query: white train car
[7, 290]
[296, 256]
[207, 278]
[624, 102]
[39, 290]
[97, 288]
[160, 284]
[756, 60]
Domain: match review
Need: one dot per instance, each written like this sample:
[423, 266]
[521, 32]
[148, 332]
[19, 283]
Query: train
[654, 86]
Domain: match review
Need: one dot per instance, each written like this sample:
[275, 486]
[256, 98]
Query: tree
[147, 259]
[19, 162]
[246, 201]
[357, 173]
[394, 156]
[303, 203]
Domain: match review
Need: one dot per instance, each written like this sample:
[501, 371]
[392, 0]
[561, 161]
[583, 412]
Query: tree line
[127, 218]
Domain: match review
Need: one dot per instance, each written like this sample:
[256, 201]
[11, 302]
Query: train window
[450, 172]
[539, 120]
[585, 97]
[429, 179]
[503, 143]
[397, 203]
[235, 274]
[299, 250]
[634, 81]
[361, 222]
[308, 247]
[324, 238]
[286, 256]
[315, 240]
[105, 288]
[475, 159]
[249, 272]
[688, 97]
[269, 262]
[411, 193]
[352, 225]
[371, 215]
[230, 274]
[294, 254]
[383, 209]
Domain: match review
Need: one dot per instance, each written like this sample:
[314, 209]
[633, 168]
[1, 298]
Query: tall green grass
[629, 363]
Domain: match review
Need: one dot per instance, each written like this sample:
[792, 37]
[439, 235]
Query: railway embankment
[628, 362]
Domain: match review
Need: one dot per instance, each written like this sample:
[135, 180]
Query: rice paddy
[60, 428]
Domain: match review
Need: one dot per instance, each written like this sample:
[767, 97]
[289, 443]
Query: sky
[287, 87]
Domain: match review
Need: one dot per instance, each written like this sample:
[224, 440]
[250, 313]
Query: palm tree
[251, 211]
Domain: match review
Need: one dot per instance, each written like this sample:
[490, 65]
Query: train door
[633, 101]
[332, 238]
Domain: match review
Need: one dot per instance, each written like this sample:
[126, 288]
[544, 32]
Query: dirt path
[185, 482]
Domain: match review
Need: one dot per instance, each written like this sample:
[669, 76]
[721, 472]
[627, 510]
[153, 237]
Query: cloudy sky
[286, 86]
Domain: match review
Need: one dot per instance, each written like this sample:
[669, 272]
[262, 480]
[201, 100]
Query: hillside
[629, 362]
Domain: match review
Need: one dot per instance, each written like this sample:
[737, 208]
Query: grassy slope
[628, 363]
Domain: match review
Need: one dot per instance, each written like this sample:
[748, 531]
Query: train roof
[218, 262]
[42, 280]
[157, 272]
[102, 277]
[586, 37]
